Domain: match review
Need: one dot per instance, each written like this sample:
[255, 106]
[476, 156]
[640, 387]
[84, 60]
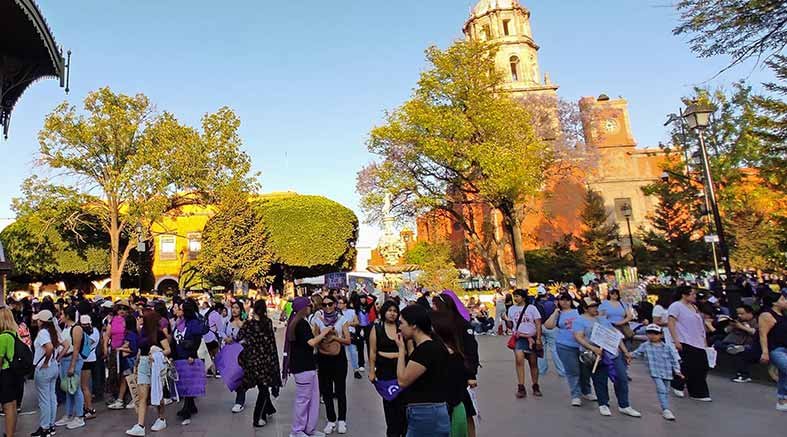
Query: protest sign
[606, 338]
[191, 378]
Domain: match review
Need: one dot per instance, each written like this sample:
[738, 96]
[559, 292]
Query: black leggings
[263, 407]
[694, 366]
[332, 374]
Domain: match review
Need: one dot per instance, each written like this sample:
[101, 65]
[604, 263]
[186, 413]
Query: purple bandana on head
[459, 305]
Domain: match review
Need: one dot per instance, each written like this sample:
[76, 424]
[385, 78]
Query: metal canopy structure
[28, 52]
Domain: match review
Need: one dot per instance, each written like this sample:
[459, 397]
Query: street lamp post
[625, 209]
[697, 118]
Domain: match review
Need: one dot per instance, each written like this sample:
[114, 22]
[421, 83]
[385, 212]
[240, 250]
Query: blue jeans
[779, 359]
[577, 375]
[428, 420]
[621, 383]
[548, 336]
[662, 390]
[45, 380]
[352, 351]
[75, 403]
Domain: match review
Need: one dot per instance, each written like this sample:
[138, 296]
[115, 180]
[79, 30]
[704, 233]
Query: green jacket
[7, 347]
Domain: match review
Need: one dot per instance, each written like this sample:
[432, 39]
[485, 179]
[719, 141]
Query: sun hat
[43, 315]
[85, 320]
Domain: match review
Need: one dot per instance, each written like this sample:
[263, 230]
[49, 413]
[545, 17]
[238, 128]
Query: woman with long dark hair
[46, 347]
[153, 348]
[455, 372]
[357, 336]
[383, 354]
[71, 365]
[188, 333]
[773, 342]
[260, 361]
[423, 375]
[332, 364]
[114, 336]
[214, 337]
[299, 343]
[577, 375]
[687, 328]
[467, 348]
[233, 327]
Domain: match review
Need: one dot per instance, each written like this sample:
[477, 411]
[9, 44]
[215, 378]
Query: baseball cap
[107, 304]
[43, 315]
[653, 328]
[85, 320]
[590, 302]
[542, 290]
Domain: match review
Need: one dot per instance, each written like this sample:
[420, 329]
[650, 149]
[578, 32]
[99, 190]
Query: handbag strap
[519, 322]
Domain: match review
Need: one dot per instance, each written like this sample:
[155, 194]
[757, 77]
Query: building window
[195, 245]
[506, 23]
[485, 33]
[167, 247]
[514, 61]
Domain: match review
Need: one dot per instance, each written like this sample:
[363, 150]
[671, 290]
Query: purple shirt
[688, 324]
[215, 327]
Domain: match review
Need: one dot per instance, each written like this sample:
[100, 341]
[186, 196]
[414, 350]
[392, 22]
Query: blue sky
[310, 78]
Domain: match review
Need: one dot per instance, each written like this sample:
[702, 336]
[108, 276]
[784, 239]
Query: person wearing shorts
[89, 365]
[525, 322]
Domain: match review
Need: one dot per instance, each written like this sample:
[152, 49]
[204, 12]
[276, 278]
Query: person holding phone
[332, 363]
[383, 353]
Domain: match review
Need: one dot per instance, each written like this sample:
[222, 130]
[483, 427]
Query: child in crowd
[663, 362]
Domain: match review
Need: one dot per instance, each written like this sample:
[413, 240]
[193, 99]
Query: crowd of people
[421, 356]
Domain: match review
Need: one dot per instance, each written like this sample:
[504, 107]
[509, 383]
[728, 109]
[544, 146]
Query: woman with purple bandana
[299, 343]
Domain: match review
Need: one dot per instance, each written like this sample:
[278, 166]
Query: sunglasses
[328, 304]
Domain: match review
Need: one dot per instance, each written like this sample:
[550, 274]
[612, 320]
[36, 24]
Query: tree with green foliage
[438, 271]
[557, 262]
[458, 143]
[308, 235]
[235, 244]
[121, 161]
[598, 242]
[741, 29]
[772, 126]
[674, 241]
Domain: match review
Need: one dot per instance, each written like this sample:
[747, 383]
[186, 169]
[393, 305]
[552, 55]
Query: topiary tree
[308, 235]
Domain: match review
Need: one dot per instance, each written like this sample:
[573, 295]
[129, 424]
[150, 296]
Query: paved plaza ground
[736, 410]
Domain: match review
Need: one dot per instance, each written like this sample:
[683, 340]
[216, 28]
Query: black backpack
[22, 363]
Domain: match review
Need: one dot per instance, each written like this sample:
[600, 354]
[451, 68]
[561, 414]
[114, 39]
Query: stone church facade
[618, 170]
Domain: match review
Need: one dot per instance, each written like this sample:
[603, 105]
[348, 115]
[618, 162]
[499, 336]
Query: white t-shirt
[660, 313]
[348, 315]
[43, 338]
[528, 324]
[338, 326]
[94, 338]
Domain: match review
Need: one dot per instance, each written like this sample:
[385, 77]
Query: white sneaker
[576, 402]
[131, 406]
[781, 407]
[361, 369]
[604, 410]
[186, 422]
[299, 434]
[708, 399]
[237, 408]
[65, 420]
[329, 428]
[78, 422]
[667, 414]
[341, 427]
[628, 411]
[136, 430]
[591, 397]
[317, 434]
[159, 425]
[168, 402]
[679, 393]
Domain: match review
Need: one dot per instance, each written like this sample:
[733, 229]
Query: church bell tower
[507, 23]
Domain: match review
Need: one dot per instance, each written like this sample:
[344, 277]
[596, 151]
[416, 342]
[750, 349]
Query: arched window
[514, 61]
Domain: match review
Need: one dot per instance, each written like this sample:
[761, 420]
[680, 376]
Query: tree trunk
[513, 222]
[289, 282]
[114, 246]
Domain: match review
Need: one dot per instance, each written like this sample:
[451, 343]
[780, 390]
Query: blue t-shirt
[615, 313]
[565, 324]
[582, 324]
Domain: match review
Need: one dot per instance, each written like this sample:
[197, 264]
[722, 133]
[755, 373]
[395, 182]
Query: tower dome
[485, 6]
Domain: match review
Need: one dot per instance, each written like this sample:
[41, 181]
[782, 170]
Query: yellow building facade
[176, 242]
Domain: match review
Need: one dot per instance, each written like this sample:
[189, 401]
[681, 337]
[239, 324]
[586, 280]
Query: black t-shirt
[301, 354]
[431, 387]
[456, 379]
[145, 344]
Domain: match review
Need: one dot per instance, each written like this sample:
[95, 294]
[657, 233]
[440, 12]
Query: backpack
[87, 347]
[22, 363]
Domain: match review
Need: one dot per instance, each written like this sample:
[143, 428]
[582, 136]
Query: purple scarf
[330, 319]
[297, 305]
